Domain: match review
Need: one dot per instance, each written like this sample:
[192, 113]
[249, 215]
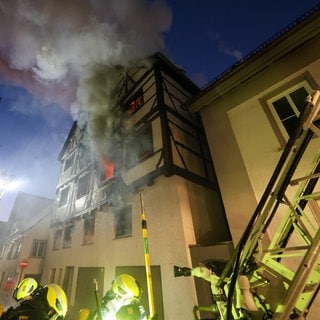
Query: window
[18, 246]
[10, 252]
[284, 108]
[68, 162]
[83, 186]
[57, 239]
[67, 236]
[289, 107]
[52, 275]
[123, 222]
[84, 156]
[139, 148]
[2, 250]
[64, 196]
[88, 230]
[38, 248]
[136, 102]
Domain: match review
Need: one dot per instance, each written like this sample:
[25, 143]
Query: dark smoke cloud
[57, 49]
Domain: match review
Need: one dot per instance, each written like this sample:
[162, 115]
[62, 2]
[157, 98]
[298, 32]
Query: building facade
[24, 244]
[152, 158]
[249, 114]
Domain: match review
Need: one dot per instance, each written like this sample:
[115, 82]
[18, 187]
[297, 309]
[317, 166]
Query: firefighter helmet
[57, 299]
[126, 286]
[24, 289]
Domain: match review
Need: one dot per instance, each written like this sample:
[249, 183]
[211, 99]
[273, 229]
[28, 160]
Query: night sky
[47, 56]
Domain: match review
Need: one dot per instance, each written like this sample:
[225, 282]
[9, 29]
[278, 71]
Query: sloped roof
[28, 210]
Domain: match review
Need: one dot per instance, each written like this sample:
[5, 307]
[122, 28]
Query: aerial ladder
[274, 272]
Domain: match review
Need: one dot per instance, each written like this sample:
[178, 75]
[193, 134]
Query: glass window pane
[283, 108]
[299, 98]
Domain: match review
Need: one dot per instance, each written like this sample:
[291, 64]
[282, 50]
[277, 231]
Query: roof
[301, 30]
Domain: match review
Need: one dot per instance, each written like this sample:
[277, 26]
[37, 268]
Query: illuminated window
[67, 236]
[88, 230]
[38, 248]
[83, 186]
[136, 102]
[64, 196]
[57, 239]
[139, 148]
[123, 222]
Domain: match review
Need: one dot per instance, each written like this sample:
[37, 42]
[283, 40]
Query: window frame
[38, 245]
[88, 230]
[267, 103]
[123, 222]
[57, 237]
[63, 200]
[140, 146]
[83, 189]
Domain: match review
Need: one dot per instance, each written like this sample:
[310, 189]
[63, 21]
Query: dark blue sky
[203, 37]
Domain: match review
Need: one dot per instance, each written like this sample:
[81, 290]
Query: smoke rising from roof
[62, 46]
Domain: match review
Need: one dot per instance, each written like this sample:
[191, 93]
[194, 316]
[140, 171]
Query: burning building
[145, 143]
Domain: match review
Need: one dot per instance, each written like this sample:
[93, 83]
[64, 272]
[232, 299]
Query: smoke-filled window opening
[64, 194]
[84, 156]
[136, 102]
[68, 162]
[139, 147]
[38, 248]
[123, 222]
[57, 239]
[83, 185]
[88, 229]
[67, 236]
[18, 246]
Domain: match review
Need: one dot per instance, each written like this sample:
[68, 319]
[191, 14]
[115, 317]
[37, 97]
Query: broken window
[88, 230]
[67, 236]
[83, 186]
[38, 248]
[136, 102]
[57, 239]
[123, 222]
[139, 147]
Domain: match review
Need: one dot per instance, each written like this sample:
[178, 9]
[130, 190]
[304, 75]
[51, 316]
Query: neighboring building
[22, 250]
[155, 157]
[249, 112]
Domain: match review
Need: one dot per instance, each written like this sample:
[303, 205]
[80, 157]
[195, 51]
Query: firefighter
[125, 292]
[25, 289]
[48, 303]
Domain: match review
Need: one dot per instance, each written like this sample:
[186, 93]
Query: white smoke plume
[57, 49]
